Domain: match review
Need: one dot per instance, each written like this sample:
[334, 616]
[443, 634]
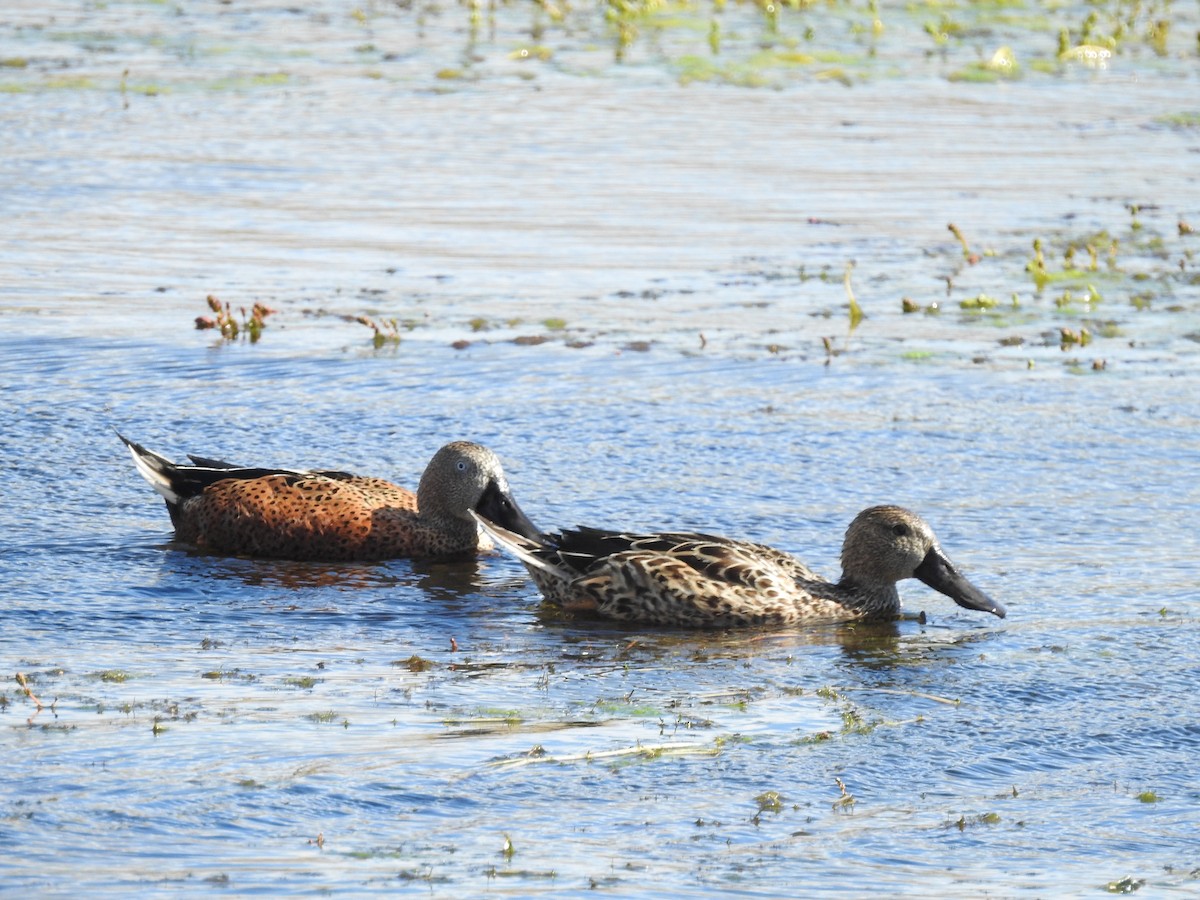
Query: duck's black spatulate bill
[939, 573]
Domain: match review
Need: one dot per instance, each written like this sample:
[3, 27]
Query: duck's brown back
[304, 518]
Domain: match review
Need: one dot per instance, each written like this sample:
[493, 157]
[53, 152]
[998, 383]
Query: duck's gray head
[463, 477]
[886, 544]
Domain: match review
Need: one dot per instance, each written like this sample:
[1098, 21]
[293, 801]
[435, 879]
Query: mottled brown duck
[331, 515]
[703, 581]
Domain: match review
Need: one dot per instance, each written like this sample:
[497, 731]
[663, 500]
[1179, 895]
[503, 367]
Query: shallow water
[285, 729]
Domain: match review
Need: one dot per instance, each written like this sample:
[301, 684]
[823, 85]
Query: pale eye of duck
[462, 465]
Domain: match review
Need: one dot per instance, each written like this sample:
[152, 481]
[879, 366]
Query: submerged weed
[856, 313]
[769, 801]
[1126, 885]
[965, 822]
[111, 676]
[415, 663]
[846, 800]
[1180, 120]
[250, 325]
[386, 332]
[980, 302]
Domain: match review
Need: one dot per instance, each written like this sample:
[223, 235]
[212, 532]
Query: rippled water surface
[634, 280]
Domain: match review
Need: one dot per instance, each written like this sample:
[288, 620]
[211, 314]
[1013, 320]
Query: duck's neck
[447, 523]
[881, 600]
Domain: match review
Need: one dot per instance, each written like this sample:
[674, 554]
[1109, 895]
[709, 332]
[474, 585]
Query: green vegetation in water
[305, 682]
[971, 257]
[322, 718]
[965, 822]
[1002, 65]
[1180, 120]
[415, 663]
[1069, 337]
[1126, 885]
[754, 45]
[979, 302]
[250, 82]
[856, 313]
[627, 709]
[1148, 797]
[111, 676]
[385, 332]
[489, 715]
[250, 325]
[769, 801]
[536, 52]
[845, 800]
[819, 737]
[69, 83]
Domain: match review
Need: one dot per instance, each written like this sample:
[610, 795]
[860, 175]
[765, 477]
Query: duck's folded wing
[695, 584]
[737, 564]
[582, 547]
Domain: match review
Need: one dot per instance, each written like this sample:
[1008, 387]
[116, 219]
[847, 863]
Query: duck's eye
[462, 465]
[900, 530]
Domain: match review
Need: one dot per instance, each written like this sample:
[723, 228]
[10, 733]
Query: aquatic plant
[965, 822]
[250, 325]
[846, 800]
[386, 332]
[1037, 266]
[769, 801]
[749, 43]
[1126, 885]
[856, 313]
[23, 681]
[415, 663]
[979, 302]
[971, 258]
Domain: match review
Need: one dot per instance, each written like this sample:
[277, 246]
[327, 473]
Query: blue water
[274, 728]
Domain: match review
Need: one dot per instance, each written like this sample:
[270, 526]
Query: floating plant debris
[249, 325]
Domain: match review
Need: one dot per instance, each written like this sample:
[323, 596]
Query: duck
[332, 515]
[694, 580]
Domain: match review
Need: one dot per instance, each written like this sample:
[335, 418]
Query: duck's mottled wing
[581, 547]
[691, 582]
[788, 563]
[578, 549]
